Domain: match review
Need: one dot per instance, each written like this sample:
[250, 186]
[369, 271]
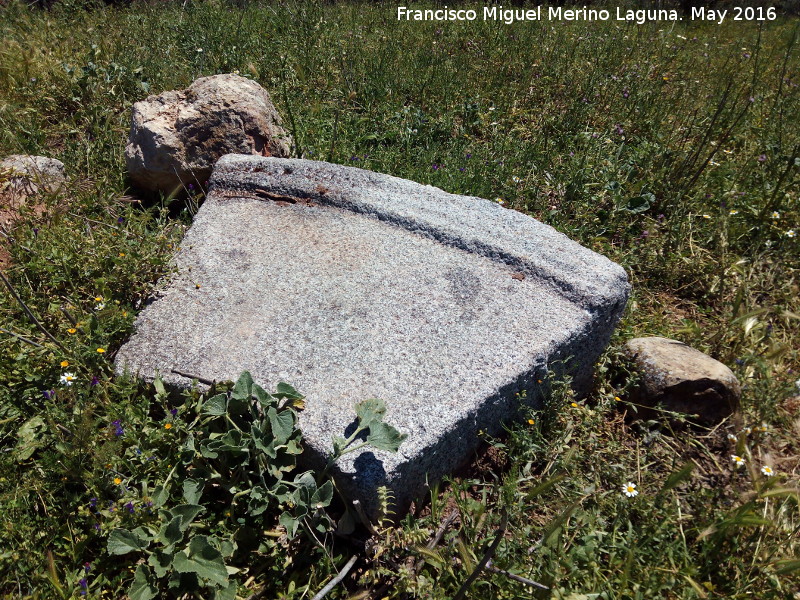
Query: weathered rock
[177, 136]
[22, 175]
[351, 285]
[679, 378]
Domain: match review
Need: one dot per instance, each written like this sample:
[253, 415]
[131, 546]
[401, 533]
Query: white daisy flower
[67, 379]
[629, 489]
[766, 470]
[737, 460]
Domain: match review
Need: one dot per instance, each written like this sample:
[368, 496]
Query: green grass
[671, 149]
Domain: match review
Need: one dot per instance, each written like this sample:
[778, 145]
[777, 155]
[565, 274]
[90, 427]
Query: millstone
[349, 285]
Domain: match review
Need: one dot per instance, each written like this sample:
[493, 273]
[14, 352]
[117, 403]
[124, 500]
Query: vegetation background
[672, 148]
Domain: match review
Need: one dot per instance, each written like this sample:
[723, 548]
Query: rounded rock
[679, 378]
[177, 136]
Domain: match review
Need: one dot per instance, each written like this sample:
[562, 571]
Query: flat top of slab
[320, 276]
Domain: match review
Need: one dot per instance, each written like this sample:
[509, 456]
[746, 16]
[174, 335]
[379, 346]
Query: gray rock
[679, 378]
[177, 136]
[351, 285]
[22, 175]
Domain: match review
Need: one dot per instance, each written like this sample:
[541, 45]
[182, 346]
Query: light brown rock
[679, 378]
[177, 136]
[22, 175]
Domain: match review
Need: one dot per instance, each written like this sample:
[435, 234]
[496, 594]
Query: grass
[671, 148]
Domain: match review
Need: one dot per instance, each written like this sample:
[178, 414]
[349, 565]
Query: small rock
[177, 136]
[22, 175]
[679, 378]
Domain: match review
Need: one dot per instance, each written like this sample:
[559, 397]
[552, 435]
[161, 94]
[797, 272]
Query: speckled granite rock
[350, 285]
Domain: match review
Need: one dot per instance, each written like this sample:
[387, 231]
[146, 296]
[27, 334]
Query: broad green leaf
[30, 438]
[161, 561]
[323, 495]
[227, 548]
[203, 559]
[244, 387]
[263, 442]
[216, 406]
[226, 593]
[237, 406]
[122, 541]
[639, 204]
[285, 390]
[282, 424]
[192, 490]
[171, 532]
[370, 411]
[258, 501]
[187, 513]
[289, 523]
[383, 436]
[261, 395]
[292, 447]
[143, 586]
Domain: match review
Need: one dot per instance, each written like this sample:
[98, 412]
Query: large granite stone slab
[350, 285]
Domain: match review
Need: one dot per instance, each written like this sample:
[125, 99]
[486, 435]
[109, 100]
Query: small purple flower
[174, 412]
[49, 394]
[354, 158]
[118, 430]
[36, 231]
[762, 158]
[95, 380]
[468, 155]
[92, 502]
[191, 186]
[435, 167]
[625, 93]
[121, 220]
[97, 526]
[462, 169]
[645, 234]
[87, 567]
[618, 128]
[739, 361]
[752, 99]
[660, 217]
[130, 507]
[84, 586]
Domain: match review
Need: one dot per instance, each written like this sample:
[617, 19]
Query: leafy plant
[240, 458]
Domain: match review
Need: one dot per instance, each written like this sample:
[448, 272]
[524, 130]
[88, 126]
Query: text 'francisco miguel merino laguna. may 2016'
[558, 13]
